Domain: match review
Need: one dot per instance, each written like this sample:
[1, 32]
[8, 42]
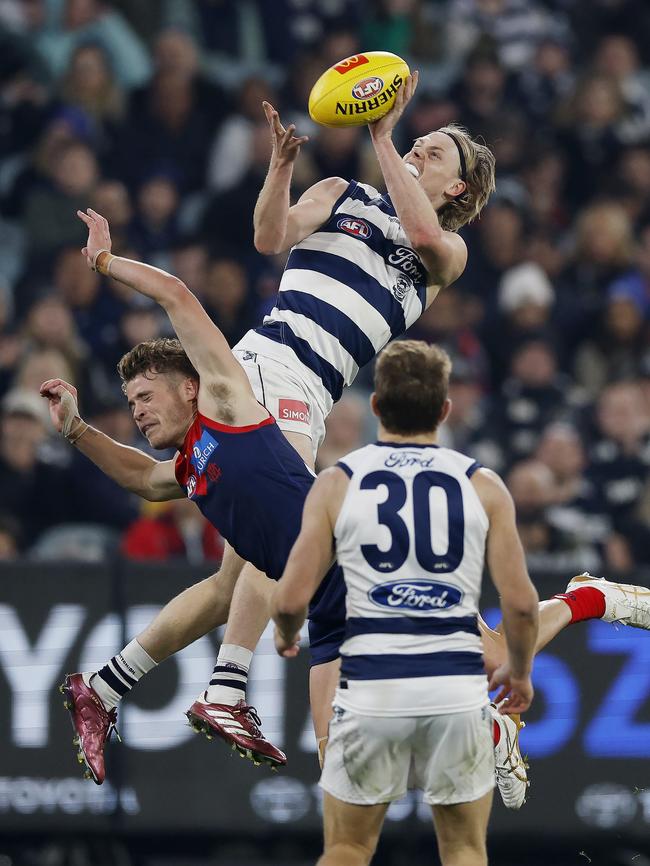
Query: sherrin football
[357, 90]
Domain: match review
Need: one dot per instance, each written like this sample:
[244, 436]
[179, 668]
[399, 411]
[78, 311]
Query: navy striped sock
[230, 675]
[121, 673]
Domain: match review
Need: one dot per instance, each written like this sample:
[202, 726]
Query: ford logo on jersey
[201, 451]
[358, 228]
[424, 596]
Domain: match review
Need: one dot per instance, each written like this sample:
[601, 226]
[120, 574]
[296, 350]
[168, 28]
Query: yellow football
[357, 90]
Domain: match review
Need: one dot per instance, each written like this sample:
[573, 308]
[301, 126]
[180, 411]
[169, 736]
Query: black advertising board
[587, 736]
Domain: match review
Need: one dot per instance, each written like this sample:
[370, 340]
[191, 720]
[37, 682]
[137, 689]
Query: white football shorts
[371, 760]
[285, 394]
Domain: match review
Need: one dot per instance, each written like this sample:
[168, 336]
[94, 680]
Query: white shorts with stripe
[285, 394]
[371, 760]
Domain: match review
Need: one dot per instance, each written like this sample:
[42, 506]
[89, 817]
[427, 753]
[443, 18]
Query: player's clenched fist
[64, 412]
[286, 146]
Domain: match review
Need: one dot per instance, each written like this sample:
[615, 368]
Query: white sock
[121, 673]
[230, 675]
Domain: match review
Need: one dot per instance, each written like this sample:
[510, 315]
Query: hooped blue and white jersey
[410, 538]
[347, 290]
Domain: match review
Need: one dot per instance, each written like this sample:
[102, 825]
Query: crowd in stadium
[150, 113]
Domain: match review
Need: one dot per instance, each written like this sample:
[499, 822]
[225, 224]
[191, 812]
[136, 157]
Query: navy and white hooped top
[410, 538]
[347, 290]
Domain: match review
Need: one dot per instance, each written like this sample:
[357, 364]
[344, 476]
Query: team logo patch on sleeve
[293, 410]
[202, 450]
[415, 596]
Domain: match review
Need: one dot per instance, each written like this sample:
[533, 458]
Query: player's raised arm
[310, 557]
[203, 342]
[444, 254]
[278, 226]
[518, 596]
[130, 468]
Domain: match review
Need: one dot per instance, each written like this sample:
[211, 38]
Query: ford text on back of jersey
[410, 539]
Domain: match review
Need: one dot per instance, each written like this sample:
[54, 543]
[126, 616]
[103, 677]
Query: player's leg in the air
[92, 698]
[585, 598]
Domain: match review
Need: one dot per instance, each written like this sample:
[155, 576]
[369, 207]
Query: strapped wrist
[102, 261]
[75, 430]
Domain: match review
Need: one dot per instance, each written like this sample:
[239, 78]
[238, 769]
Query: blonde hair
[479, 180]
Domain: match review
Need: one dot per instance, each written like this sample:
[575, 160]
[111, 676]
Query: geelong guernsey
[410, 539]
[347, 289]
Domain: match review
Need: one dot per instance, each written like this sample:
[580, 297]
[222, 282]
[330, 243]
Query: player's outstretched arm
[130, 468]
[278, 226]
[519, 599]
[444, 254]
[205, 345]
[310, 557]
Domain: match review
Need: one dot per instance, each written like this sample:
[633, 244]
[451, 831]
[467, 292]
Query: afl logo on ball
[367, 88]
[356, 227]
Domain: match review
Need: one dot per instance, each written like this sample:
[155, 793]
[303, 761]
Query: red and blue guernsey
[250, 483]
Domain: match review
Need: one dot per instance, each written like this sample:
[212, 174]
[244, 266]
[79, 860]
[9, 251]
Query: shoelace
[251, 713]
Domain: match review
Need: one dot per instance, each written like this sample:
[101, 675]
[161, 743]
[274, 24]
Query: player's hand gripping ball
[358, 90]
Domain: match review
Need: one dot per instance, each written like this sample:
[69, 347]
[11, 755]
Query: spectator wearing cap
[526, 299]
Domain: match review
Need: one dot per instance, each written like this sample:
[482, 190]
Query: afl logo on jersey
[356, 227]
[415, 596]
[367, 88]
[191, 486]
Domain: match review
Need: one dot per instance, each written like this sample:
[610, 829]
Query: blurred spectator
[227, 299]
[548, 548]
[526, 299]
[75, 22]
[179, 532]
[231, 149]
[154, 228]
[32, 489]
[89, 84]
[466, 419]
[172, 120]
[111, 199]
[50, 214]
[603, 251]
[9, 538]
[516, 27]
[591, 137]
[618, 347]
[227, 222]
[345, 429]
[618, 57]
[534, 394]
[547, 81]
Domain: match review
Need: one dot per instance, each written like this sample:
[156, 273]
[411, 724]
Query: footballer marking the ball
[358, 90]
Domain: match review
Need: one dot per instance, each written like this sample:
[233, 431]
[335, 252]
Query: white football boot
[510, 767]
[624, 603]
